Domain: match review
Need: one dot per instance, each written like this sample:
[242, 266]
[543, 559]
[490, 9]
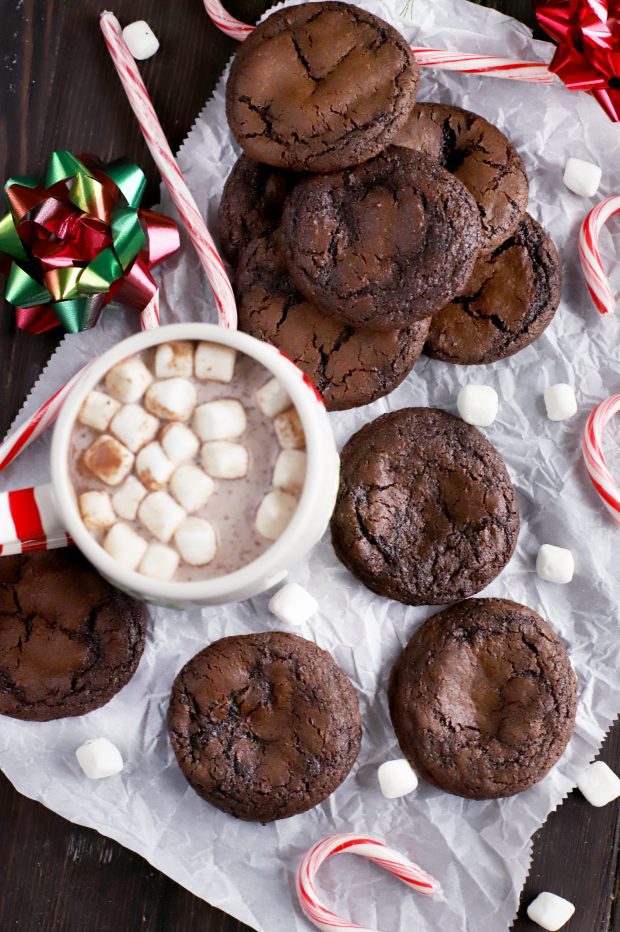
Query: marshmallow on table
[555, 564]
[191, 487]
[159, 562]
[99, 758]
[141, 40]
[98, 410]
[171, 399]
[477, 404]
[289, 430]
[220, 420]
[133, 426]
[292, 604]
[550, 912]
[96, 510]
[582, 177]
[109, 460]
[125, 545]
[397, 778]
[214, 362]
[274, 513]
[174, 359]
[125, 500]
[160, 514]
[153, 466]
[272, 398]
[196, 541]
[560, 401]
[599, 784]
[179, 443]
[290, 471]
[128, 380]
[225, 460]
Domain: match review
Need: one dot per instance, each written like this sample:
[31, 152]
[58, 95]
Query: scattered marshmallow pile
[160, 453]
[478, 404]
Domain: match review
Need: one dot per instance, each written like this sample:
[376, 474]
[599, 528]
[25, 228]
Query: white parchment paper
[479, 850]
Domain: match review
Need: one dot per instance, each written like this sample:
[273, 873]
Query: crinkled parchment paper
[479, 850]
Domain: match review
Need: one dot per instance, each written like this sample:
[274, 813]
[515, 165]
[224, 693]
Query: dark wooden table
[58, 90]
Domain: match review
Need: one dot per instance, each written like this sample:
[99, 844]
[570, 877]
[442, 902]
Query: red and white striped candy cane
[590, 257]
[225, 22]
[153, 133]
[29, 521]
[371, 848]
[592, 446]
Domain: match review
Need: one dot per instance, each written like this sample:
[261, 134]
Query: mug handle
[30, 521]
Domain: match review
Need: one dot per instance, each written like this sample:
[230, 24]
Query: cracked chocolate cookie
[426, 513]
[382, 245]
[264, 726]
[483, 699]
[69, 641]
[508, 302]
[251, 205]
[349, 366]
[320, 86]
[480, 156]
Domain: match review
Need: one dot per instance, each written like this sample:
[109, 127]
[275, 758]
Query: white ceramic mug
[59, 505]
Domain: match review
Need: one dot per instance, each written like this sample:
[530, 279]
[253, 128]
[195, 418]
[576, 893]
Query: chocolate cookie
[320, 86]
[69, 641]
[251, 205]
[384, 244]
[507, 303]
[264, 726]
[480, 156]
[426, 513]
[483, 699]
[349, 366]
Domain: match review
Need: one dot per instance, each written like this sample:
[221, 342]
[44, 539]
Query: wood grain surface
[58, 90]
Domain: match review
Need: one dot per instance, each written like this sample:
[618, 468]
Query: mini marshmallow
[179, 443]
[560, 401]
[225, 460]
[172, 399]
[96, 510]
[289, 431]
[220, 420]
[477, 404]
[153, 466]
[160, 514]
[109, 460]
[215, 362]
[550, 912]
[599, 784]
[99, 758]
[274, 513]
[397, 778]
[292, 604]
[555, 564]
[128, 380]
[272, 398]
[125, 546]
[125, 500]
[174, 359]
[98, 410]
[141, 40]
[290, 471]
[134, 427]
[159, 562]
[196, 541]
[582, 177]
[191, 487]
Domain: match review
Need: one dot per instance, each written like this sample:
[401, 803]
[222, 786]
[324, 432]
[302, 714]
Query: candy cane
[592, 447]
[228, 24]
[29, 521]
[590, 257]
[376, 851]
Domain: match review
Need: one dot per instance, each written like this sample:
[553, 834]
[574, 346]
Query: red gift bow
[588, 53]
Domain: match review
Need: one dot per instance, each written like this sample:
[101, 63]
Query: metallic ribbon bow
[76, 240]
[588, 53]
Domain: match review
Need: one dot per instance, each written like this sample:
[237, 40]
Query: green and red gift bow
[77, 239]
